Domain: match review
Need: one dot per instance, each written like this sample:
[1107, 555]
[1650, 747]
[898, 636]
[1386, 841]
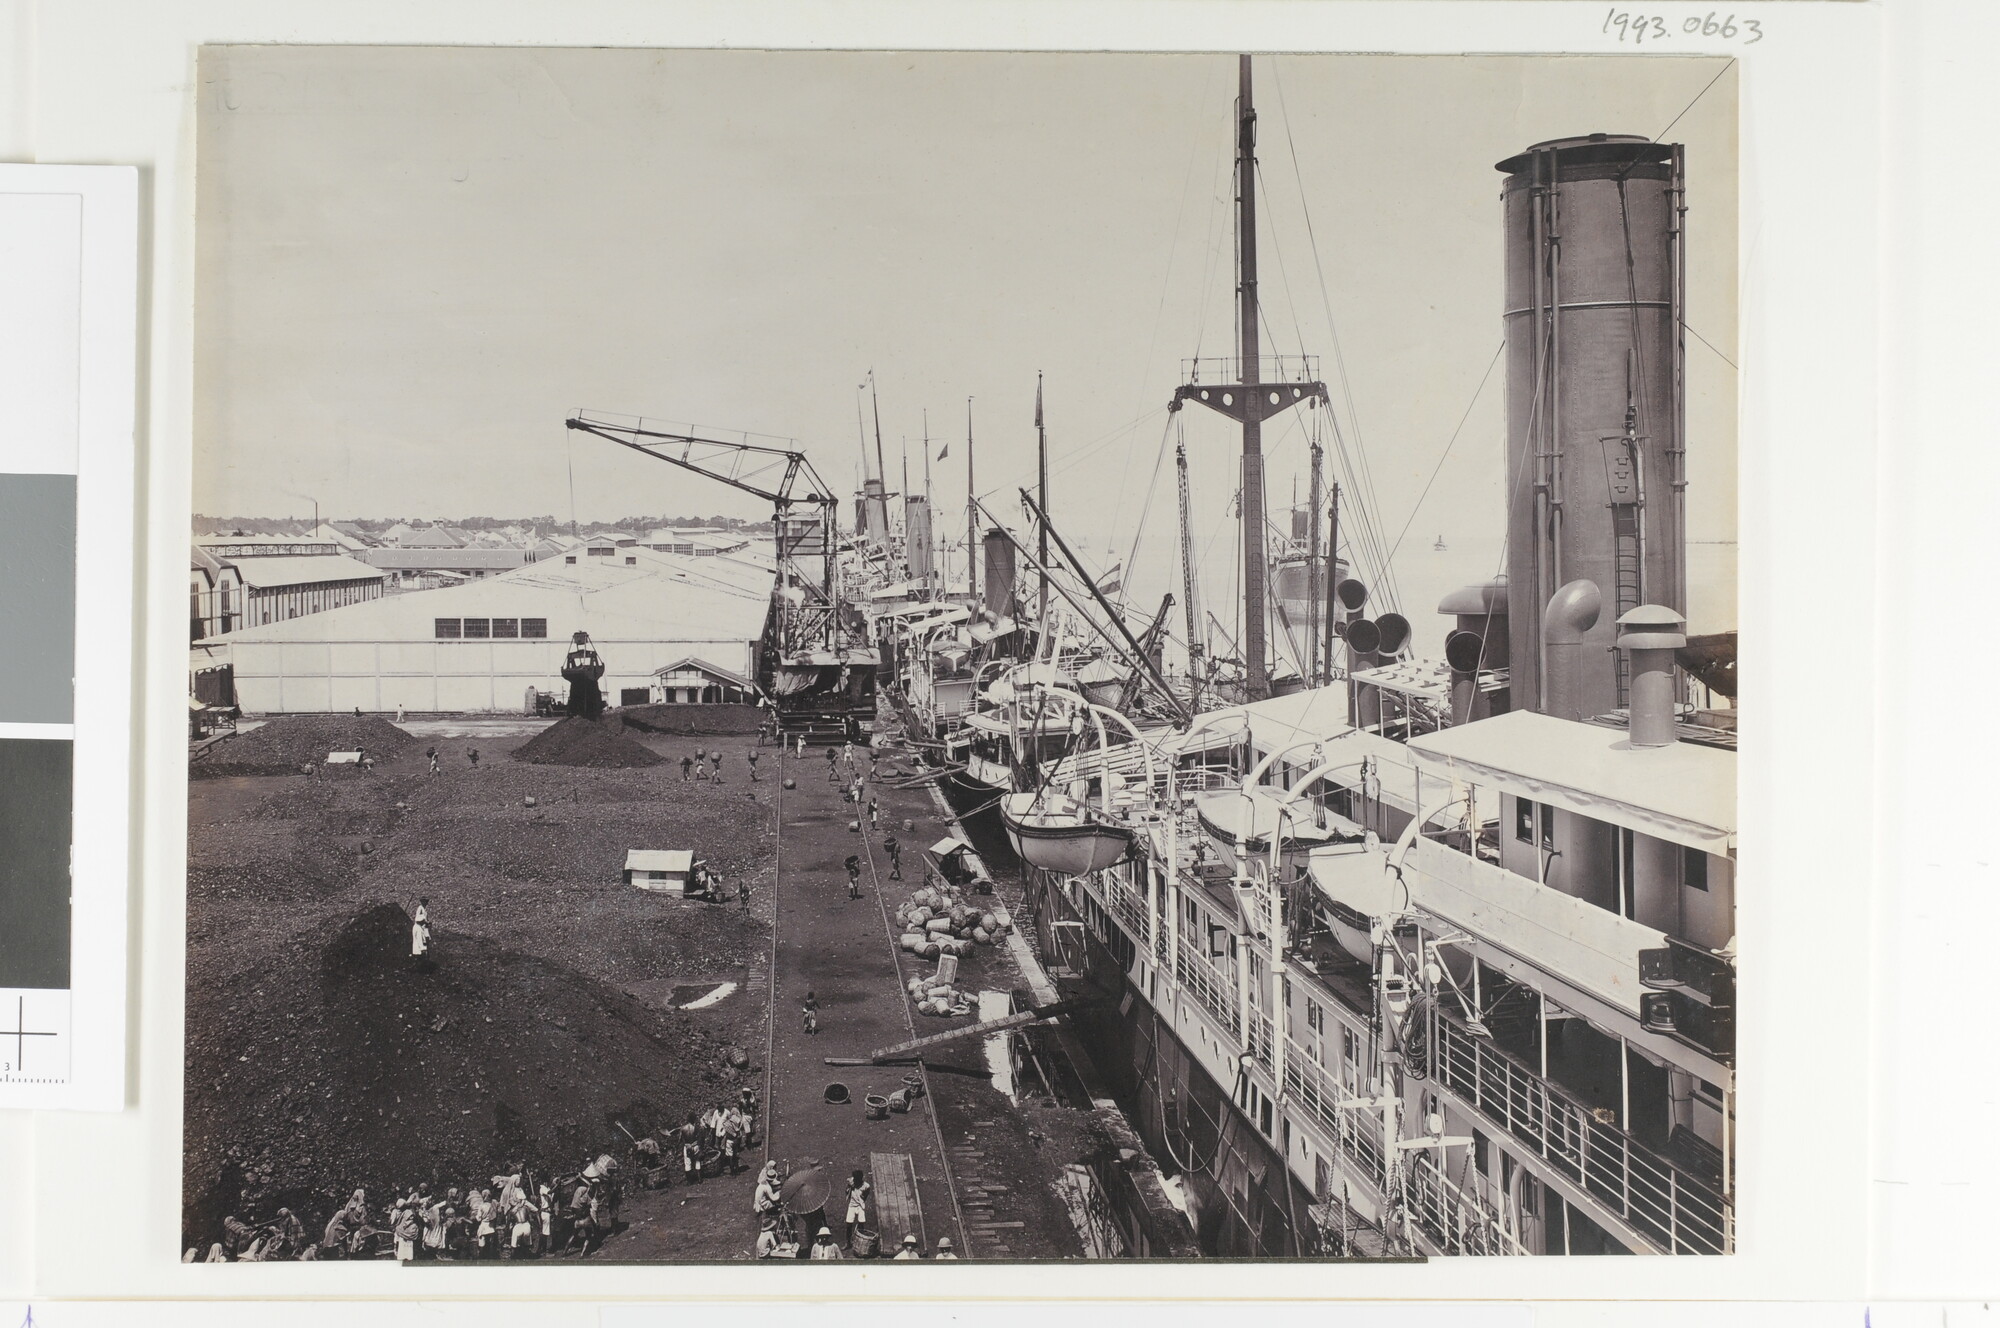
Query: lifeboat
[1059, 834]
[1242, 825]
[1102, 682]
[1360, 891]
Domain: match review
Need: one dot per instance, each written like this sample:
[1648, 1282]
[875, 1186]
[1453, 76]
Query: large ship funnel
[1568, 624]
[1593, 242]
[1649, 635]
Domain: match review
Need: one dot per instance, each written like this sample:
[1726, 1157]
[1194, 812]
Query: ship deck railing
[1455, 1220]
[1357, 1129]
[1673, 1209]
[1210, 987]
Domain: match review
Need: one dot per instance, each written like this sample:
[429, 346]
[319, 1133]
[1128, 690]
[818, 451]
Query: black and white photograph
[1260, 786]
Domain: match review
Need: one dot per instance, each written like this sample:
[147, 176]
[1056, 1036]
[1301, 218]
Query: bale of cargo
[938, 926]
[929, 950]
[990, 921]
[911, 940]
[983, 936]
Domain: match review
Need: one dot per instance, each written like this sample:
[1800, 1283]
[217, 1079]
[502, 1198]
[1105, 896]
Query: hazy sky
[414, 263]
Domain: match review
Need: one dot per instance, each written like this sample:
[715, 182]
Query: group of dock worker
[692, 767]
[518, 1214]
[706, 1142]
[779, 1232]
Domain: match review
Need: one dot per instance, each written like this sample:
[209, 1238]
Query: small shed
[664, 871]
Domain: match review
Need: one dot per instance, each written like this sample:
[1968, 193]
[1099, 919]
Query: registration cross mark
[20, 1032]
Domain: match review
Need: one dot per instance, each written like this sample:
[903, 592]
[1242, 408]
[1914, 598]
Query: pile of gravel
[583, 742]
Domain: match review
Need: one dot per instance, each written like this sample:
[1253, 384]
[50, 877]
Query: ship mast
[1042, 462]
[1248, 399]
[971, 515]
[1256, 680]
[1189, 600]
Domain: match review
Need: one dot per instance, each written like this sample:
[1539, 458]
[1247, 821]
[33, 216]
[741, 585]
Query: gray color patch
[37, 598]
[35, 818]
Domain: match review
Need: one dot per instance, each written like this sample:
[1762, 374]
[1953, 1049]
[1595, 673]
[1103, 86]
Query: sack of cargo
[941, 989]
[938, 926]
[929, 949]
[983, 936]
[910, 940]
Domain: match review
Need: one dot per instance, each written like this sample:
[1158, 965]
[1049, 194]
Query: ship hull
[1243, 1201]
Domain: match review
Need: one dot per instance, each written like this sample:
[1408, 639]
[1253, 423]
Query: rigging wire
[1449, 444]
[1362, 481]
[1159, 312]
[1145, 510]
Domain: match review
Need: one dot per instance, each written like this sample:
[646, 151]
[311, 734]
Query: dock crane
[805, 634]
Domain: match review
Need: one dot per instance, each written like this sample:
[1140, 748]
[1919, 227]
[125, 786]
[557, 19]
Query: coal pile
[281, 746]
[341, 1061]
[581, 742]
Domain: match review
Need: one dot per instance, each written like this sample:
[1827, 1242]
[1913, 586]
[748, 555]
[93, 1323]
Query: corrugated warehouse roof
[660, 597]
[423, 560]
[272, 573]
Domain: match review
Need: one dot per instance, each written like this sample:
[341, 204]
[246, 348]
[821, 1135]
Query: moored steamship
[1426, 956]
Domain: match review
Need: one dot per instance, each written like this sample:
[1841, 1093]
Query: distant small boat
[1439, 546]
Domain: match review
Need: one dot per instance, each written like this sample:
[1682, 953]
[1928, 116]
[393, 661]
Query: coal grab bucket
[878, 1107]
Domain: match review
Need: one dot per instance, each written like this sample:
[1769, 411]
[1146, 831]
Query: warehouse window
[535, 628]
[506, 628]
[1694, 869]
[447, 629]
[476, 629]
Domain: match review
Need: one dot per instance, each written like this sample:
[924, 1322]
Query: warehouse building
[429, 569]
[481, 647]
[256, 579]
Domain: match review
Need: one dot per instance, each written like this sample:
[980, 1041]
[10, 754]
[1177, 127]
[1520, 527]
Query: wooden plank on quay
[898, 1211]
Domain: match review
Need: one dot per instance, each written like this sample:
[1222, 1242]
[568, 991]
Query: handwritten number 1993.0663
[1640, 28]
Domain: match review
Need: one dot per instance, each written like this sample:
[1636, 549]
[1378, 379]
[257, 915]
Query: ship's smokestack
[1478, 644]
[999, 561]
[917, 536]
[1649, 635]
[1567, 652]
[1593, 240]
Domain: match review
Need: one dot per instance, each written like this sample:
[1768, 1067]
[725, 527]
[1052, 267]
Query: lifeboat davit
[1059, 834]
